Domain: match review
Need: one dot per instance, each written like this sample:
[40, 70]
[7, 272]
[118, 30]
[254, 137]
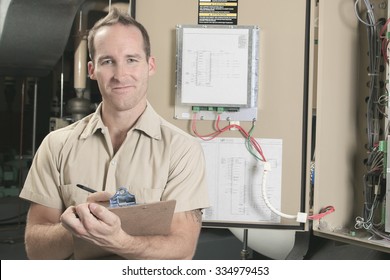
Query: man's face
[120, 67]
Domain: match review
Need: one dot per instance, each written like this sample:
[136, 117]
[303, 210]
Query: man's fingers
[99, 197]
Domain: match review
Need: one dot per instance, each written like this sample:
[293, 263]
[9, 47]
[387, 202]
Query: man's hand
[99, 197]
[92, 221]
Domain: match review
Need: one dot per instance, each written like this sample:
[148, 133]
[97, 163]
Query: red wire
[323, 212]
[217, 123]
[219, 131]
[384, 27]
[385, 41]
[385, 44]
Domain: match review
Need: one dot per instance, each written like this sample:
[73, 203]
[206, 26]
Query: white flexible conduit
[267, 168]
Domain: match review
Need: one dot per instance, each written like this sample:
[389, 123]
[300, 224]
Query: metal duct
[34, 34]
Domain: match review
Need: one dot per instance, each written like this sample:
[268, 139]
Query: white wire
[264, 193]
[369, 10]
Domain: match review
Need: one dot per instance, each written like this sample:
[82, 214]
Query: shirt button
[113, 162]
[103, 131]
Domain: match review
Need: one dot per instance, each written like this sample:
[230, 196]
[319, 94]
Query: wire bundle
[373, 179]
[251, 144]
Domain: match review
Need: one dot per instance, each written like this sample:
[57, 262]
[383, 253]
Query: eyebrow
[127, 56]
[134, 56]
[100, 59]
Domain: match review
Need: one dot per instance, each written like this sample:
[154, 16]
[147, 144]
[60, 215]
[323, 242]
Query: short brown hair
[113, 17]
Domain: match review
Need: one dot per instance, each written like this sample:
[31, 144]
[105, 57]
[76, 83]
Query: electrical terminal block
[218, 110]
[383, 146]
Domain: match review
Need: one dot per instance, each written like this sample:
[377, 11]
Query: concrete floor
[215, 244]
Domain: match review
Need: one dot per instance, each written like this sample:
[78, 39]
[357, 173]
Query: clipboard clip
[121, 198]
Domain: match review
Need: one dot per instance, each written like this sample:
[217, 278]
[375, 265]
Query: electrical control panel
[351, 150]
[217, 72]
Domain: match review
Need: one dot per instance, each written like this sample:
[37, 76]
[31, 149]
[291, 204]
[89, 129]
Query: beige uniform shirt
[157, 161]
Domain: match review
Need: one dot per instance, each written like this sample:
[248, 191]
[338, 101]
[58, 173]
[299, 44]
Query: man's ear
[91, 70]
[152, 65]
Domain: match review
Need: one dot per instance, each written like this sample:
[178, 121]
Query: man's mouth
[121, 88]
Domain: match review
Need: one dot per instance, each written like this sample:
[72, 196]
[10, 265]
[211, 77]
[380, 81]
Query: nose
[120, 71]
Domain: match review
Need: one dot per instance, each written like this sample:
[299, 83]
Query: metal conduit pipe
[80, 105]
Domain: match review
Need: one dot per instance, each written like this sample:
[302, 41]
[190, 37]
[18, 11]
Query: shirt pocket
[73, 195]
[147, 195]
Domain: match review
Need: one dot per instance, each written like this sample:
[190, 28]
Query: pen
[86, 188]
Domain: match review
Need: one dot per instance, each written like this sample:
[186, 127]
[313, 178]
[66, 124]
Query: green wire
[249, 145]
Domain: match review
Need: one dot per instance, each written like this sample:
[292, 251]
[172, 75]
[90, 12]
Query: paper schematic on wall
[137, 219]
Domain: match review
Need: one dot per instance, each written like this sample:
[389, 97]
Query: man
[124, 143]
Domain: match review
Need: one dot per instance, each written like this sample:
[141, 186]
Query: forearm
[156, 247]
[102, 227]
[179, 244]
[48, 241]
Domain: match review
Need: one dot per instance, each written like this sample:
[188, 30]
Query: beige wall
[280, 102]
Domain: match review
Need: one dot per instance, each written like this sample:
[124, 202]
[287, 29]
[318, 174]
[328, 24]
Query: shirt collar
[149, 123]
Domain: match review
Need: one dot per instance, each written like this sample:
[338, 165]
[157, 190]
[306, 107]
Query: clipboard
[140, 219]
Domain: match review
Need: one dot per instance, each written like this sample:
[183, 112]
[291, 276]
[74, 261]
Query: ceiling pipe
[80, 55]
[80, 106]
[81, 48]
